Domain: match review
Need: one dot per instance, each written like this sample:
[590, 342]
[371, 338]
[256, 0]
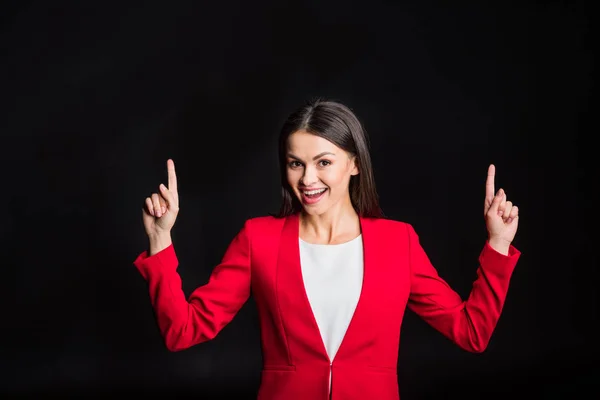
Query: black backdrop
[98, 96]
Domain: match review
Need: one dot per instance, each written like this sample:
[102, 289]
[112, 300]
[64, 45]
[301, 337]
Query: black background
[97, 96]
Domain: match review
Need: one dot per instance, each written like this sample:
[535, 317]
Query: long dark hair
[338, 124]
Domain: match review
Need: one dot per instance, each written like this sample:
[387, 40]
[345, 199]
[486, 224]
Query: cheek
[292, 177]
[335, 178]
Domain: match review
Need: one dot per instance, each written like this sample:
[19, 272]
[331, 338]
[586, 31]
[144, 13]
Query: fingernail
[162, 186]
[163, 209]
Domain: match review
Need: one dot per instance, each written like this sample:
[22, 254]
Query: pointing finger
[489, 185]
[172, 177]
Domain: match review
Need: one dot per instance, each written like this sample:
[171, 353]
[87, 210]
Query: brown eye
[324, 163]
[294, 164]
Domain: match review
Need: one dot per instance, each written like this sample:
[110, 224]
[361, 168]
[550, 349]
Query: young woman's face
[318, 172]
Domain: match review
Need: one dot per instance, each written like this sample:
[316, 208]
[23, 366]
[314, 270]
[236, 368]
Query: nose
[309, 177]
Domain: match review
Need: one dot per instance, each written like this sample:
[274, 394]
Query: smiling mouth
[314, 193]
[312, 196]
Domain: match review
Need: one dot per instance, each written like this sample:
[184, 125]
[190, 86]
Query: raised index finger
[489, 183]
[172, 176]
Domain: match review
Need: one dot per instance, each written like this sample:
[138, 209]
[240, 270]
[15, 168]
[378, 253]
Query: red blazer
[264, 259]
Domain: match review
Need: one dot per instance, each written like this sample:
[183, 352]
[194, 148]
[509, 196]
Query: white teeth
[312, 192]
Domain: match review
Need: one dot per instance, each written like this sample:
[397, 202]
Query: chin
[312, 210]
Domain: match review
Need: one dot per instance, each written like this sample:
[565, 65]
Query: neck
[337, 221]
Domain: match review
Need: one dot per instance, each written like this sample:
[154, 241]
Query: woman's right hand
[160, 210]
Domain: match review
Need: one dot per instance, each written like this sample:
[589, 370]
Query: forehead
[304, 143]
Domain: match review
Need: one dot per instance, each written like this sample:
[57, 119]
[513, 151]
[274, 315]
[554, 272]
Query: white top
[333, 276]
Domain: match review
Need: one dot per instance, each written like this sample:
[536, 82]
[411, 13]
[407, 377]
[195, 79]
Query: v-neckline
[293, 280]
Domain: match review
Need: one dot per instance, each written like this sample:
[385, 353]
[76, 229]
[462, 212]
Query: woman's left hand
[501, 215]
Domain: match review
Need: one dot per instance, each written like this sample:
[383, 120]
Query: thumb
[172, 203]
[496, 202]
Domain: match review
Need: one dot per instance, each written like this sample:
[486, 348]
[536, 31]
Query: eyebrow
[314, 158]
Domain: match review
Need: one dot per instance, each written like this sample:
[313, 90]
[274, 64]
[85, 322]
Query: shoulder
[264, 223]
[387, 223]
[390, 227]
[262, 232]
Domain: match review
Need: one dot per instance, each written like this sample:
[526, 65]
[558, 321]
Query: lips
[312, 196]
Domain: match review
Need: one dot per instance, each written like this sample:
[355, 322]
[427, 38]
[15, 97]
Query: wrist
[501, 245]
[159, 242]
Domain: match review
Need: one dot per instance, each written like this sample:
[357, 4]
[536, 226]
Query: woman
[331, 277]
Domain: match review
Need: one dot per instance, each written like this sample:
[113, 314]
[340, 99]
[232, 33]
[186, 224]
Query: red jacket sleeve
[469, 323]
[186, 322]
